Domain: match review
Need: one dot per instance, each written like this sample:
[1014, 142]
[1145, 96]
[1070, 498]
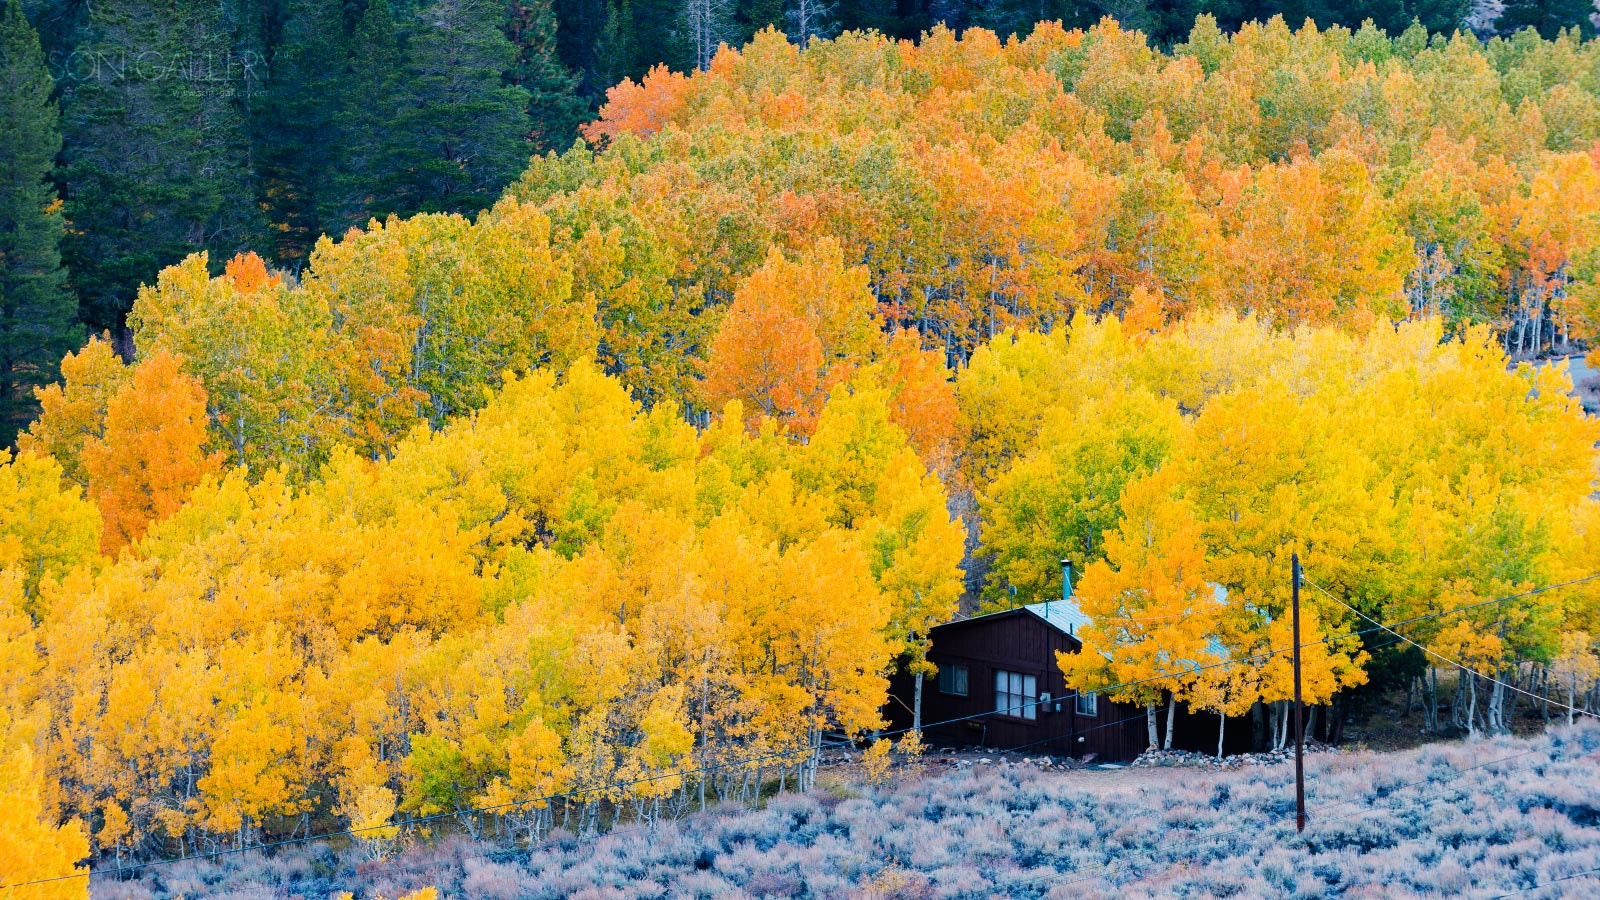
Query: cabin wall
[1016, 642]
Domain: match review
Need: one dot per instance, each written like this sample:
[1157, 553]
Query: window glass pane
[1016, 694]
[953, 680]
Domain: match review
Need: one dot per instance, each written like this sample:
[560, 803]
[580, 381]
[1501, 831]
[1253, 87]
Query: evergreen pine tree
[467, 136]
[660, 36]
[554, 107]
[158, 156]
[37, 324]
[614, 54]
[1548, 17]
[582, 22]
[754, 15]
[363, 184]
[299, 118]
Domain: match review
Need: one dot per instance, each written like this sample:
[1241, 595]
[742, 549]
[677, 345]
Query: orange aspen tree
[152, 453]
[794, 330]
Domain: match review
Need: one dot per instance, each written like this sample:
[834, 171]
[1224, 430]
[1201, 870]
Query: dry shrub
[1429, 823]
[895, 883]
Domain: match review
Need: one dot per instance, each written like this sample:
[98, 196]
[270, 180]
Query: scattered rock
[1187, 759]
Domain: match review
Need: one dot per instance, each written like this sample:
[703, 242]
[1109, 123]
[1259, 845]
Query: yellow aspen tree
[259, 348]
[1060, 499]
[1154, 614]
[32, 846]
[922, 399]
[536, 770]
[1575, 668]
[365, 802]
[73, 413]
[915, 549]
[793, 331]
[47, 529]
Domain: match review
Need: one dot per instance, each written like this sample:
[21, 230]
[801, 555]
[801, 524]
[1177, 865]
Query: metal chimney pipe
[1066, 590]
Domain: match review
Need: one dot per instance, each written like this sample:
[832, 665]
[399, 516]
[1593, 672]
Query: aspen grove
[619, 498]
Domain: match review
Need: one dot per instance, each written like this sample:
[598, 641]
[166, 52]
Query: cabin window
[1016, 694]
[1088, 704]
[953, 680]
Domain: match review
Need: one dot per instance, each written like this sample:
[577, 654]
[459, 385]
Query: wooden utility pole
[1299, 718]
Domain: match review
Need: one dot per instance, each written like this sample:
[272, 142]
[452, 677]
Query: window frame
[1019, 703]
[1094, 704]
[959, 675]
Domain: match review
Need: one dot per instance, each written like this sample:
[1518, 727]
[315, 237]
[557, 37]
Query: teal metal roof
[1063, 614]
[1067, 616]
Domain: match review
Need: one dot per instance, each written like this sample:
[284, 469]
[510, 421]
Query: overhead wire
[1445, 659]
[1586, 873]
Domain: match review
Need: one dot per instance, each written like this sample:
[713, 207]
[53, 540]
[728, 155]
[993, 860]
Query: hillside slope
[1471, 820]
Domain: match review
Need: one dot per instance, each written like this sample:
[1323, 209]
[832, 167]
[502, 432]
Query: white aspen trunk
[707, 22]
[1498, 702]
[1150, 723]
[1472, 704]
[1172, 709]
[916, 709]
[1222, 727]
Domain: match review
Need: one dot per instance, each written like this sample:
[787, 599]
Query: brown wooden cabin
[998, 675]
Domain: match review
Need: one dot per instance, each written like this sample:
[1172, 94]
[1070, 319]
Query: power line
[1585, 873]
[1481, 604]
[1136, 716]
[1463, 667]
[579, 792]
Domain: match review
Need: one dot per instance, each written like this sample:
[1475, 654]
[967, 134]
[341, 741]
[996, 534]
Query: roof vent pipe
[1066, 590]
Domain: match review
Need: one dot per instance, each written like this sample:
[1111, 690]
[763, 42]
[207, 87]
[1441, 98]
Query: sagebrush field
[1469, 820]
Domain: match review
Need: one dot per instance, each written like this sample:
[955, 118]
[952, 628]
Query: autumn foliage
[638, 484]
